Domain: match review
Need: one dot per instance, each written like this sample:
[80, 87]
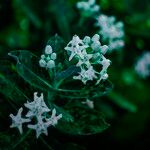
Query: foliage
[122, 107]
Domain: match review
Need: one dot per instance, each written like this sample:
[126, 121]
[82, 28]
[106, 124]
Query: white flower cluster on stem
[142, 66]
[89, 52]
[37, 110]
[88, 8]
[48, 58]
[111, 31]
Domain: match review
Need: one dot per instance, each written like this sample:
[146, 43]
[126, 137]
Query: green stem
[22, 139]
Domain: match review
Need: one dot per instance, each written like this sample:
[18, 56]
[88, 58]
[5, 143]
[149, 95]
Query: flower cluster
[142, 66]
[111, 31]
[48, 58]
[90, 53]
[37, 110]
[88, 8]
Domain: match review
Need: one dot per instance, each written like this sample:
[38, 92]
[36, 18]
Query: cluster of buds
[142, 66]
[48, 58]
[88, 8]
[111, 31]
[89, 52]
[37, 110]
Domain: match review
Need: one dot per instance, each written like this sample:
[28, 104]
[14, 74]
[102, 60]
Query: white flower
[105, 63]
[116, 44]
[17, 120]
[88, 8]
[142, 66]
[53, 120]
[40, 127]
[86, 75]
[36, 107]
[38, 111]
[85, 59]
[48, 59]
[89, 103]
[103, 76]
[75, 46]
[111, 31]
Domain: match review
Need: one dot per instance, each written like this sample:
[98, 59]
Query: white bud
[48, 49]
[104, 49]
[42, 63]
[53, 56]
[87, 40]
[96, 46]
[42, 56]
[105, 76]
[95, 38]
[51, 64]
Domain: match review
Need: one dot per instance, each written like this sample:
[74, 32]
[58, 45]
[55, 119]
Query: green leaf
[8, 87]
[86, 122]
[27, 65]
[122, 102]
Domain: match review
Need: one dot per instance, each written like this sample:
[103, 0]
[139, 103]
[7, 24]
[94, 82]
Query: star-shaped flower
[17, 120]
[37, 107]
[85, 59]
[40, 127]
[103, 76]
[53, 120]
[75, 46]
[86, 75]
[105, 63]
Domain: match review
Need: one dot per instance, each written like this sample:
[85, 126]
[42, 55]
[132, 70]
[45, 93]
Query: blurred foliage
[27, 25]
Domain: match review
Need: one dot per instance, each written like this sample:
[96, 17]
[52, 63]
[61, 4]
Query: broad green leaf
[86, 122]
[27, 64]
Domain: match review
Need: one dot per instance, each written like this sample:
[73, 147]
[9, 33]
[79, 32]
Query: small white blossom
[17, 120]
[111, 31]
[48, 59]
[75, 47]
[103, 76]
[36, 107]
[142, 66]
[88, 52]
[105, 63]
[40, 127]
[86, 75]
[53, 120]
[89, 103]
[85, 59]
[88, 8]
[38, 111]
[116, 44]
